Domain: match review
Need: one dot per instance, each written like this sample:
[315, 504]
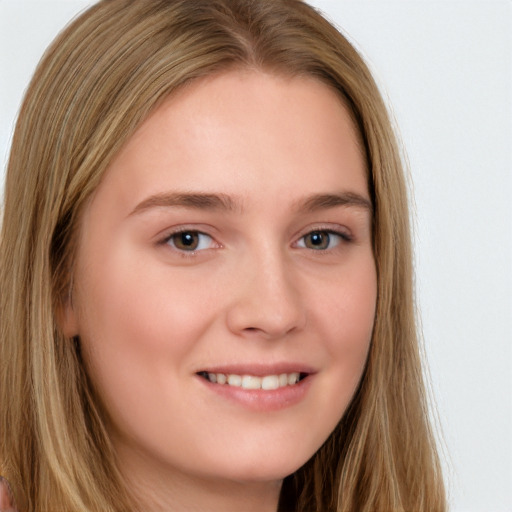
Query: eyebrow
[326, 201]
[197, 201]
[224, 202]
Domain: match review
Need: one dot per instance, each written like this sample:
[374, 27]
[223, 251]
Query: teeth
[234, 380]
[293, 378]
[270, 382]
[267, 382]
[250, 382]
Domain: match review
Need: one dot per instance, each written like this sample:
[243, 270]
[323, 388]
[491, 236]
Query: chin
[265, 466]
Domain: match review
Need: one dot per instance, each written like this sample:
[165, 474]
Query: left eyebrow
[326, 201]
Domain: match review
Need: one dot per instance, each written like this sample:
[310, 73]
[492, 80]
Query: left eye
[190, 241]
[320, 240]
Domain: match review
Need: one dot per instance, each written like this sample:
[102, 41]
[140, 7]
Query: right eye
[190, 241]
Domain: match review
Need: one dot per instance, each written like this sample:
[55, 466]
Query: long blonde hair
[96, 83]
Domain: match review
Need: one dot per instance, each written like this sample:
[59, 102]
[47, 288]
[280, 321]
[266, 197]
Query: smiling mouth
[266, 382]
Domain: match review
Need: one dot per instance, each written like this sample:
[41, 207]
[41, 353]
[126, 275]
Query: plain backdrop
[446, 69]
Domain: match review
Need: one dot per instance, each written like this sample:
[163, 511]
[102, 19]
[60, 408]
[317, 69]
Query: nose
[266, 300]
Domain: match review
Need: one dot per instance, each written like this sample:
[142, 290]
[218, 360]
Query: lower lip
[259, 399]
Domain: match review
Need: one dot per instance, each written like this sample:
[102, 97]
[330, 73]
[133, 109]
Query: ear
[67, 320]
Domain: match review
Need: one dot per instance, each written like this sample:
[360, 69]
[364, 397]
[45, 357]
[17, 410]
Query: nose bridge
[267, 300]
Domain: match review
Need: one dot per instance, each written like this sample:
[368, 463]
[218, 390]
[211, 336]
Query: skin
[255, 291]
[7, 503]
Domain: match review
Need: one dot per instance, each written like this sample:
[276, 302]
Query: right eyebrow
[196, 200]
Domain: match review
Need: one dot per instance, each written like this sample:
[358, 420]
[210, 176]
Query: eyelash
[343, 237]
[168, 240]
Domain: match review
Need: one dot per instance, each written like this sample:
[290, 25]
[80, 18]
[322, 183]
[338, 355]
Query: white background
[446, 67]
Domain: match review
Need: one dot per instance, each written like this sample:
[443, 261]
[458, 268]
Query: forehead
[241, 132]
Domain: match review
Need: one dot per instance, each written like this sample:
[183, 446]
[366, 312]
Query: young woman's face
[229, 240]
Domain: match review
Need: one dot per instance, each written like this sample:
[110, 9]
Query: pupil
[187, 239]
[318, 240]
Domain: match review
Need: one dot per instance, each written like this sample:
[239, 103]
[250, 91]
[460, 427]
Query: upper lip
[258, 369]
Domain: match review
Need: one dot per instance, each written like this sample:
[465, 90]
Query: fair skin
[230, 237]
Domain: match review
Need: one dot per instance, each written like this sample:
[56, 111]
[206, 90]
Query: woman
[206, 272]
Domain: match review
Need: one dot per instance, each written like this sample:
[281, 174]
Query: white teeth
[234, 380]
[293, 378]
[250, 382]
[268, 382]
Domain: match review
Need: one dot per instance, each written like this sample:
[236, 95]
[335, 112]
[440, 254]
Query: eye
[321, 240]
[190, 241]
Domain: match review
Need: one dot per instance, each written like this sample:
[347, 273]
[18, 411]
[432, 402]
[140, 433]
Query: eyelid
[342, 232]
[170, 233]
[336, 229]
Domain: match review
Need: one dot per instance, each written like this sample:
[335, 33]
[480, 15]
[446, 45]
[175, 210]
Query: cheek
[350, 305]
[137, 327]
[347, 319]
[139, 305]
